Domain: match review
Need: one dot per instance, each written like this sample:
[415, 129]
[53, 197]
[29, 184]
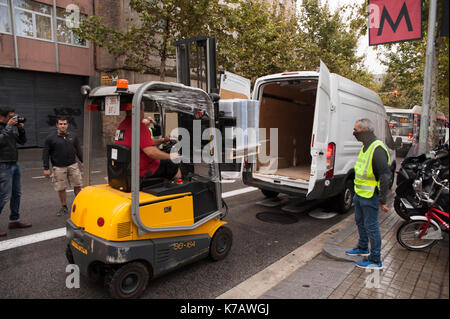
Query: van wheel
[269, 194]
[345, 199]
[221, 243]
[129, 281]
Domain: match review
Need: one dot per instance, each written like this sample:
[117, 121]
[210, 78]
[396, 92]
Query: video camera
[20, 119]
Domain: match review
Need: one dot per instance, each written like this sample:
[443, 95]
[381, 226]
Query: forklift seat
[119, 169]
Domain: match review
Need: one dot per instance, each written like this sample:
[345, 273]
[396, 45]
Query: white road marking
[31, 239]
[259, 283]
[239, 192]
[60, 232]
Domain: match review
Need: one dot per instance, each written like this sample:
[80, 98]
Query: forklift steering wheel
[167, 146]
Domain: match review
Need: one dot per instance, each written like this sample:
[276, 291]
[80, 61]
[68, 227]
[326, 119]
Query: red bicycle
[421, 232]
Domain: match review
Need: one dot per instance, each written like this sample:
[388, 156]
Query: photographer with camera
[11, 133]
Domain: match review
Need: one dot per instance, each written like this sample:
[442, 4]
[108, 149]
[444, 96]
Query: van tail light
[331, 154]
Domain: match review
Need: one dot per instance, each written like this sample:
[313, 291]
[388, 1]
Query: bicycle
[421, 232]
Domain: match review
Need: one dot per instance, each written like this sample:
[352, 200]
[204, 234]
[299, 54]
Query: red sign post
[394, 21]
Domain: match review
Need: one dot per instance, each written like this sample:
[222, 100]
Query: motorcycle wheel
[400, 209]
[407, 235]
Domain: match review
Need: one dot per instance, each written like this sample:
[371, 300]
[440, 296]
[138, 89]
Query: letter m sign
[394, 21]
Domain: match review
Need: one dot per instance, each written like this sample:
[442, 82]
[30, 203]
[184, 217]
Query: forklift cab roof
[172, 96]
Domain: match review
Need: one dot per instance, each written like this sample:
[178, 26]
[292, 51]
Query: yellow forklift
[132, 229]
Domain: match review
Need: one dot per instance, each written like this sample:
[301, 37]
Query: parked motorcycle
[415, 169]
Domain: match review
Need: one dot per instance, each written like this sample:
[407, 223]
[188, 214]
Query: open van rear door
[236, 121]
[319, 137]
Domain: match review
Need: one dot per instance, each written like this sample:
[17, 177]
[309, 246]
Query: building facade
[43, 63]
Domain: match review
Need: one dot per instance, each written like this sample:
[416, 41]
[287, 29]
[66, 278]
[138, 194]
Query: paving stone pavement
[405, 275]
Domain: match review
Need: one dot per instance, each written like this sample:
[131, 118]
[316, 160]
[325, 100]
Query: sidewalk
[405, 275]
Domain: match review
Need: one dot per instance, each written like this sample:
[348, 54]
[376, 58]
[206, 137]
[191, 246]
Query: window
[64, 34]
[33, 19]
[401, 124]
[5, 20]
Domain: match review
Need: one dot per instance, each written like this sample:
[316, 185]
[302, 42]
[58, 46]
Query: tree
[155, 25]
[253, 37]
[325, 36]
[255, 40]
[405, 63]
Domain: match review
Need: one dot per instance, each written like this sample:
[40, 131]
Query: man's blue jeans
[366, 218]
[10, 189]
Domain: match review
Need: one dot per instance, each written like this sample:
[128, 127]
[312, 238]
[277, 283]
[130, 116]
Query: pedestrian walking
[63, 148]
[372, 176]
[11, 133]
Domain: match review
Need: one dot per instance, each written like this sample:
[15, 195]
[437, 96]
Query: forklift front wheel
[127, 282]
[221, 243]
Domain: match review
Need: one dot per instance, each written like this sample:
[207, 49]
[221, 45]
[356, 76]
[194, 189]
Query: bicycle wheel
[407, 235]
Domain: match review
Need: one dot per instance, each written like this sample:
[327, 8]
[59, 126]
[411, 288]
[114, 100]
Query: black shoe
[62, 211]
[13, 225]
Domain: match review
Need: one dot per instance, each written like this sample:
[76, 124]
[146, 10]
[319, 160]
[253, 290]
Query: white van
[315, 114]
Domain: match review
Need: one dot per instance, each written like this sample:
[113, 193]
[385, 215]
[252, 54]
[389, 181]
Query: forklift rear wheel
[221, 243]
[129, 281]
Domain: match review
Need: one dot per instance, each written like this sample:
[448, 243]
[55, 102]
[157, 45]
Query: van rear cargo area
[288, 106]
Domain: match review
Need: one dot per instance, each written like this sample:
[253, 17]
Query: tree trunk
[163, 52]
[162, 68]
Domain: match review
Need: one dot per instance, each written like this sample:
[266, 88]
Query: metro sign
[394, 21]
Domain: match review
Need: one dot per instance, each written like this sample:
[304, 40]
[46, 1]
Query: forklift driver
[152, 161]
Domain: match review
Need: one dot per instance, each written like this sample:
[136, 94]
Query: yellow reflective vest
[365, 182]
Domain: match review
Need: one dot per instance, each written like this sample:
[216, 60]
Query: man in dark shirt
[63, 147]
[11, 133]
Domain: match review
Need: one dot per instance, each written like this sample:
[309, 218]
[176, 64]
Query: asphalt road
[39, 270]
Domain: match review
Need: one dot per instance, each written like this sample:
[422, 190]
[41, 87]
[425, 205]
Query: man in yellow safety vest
[372, 177]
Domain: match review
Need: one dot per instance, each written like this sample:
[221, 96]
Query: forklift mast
[196, 61]
[197, 66]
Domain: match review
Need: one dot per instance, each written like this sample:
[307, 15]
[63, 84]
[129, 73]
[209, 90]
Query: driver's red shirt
[123, 137]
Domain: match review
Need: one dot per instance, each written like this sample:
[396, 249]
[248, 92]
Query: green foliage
[254, 38]
[324, 36]
[157, 26]
[405, 63]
